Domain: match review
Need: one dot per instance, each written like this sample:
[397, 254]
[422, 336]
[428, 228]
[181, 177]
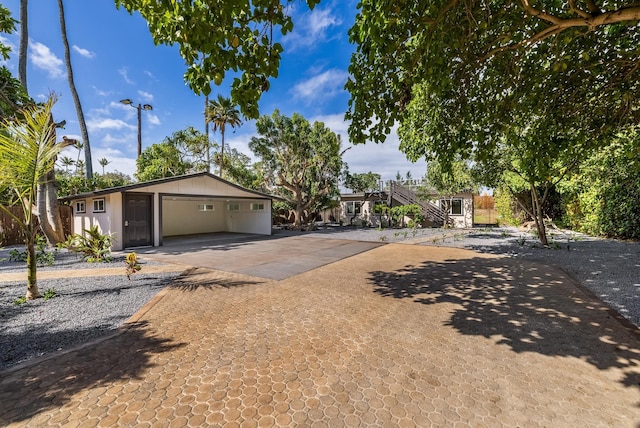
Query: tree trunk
[32, 283]
[538, 215]
[24, 44]
[222, 151]
[206, 132]
[298, 212]
[74, 94]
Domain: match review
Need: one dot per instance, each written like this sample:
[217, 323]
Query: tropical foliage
[604, 196]
[221, 113]
[181, 153]
[218, 36]
[28, 150]
[299, 161]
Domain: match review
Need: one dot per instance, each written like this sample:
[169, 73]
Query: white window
[454, 206]
[98, 205]
[80, 207]
[257, 207]
[353, 207]
[233, 207]
[206, 207]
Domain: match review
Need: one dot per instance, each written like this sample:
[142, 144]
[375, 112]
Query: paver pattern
[396, 336]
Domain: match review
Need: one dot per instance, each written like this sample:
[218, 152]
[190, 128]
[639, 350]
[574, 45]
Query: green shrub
[94, 245]
[43, 257]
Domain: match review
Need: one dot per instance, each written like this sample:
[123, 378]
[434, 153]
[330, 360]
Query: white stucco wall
[180, 217]
[246, 220]
[89, 218]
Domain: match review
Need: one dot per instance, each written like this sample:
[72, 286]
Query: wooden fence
[10, 232]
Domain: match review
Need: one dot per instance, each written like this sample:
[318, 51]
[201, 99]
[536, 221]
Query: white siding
[180, 217]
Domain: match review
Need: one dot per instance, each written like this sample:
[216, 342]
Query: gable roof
[158, 181]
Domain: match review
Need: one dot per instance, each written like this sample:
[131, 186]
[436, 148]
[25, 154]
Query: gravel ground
[87, 308]
[609, 268]
[82, 309]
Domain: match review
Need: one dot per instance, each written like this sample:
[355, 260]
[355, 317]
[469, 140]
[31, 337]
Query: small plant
[364, 223]
[383, 238]
[43, 257]
[522, 240]
[132, 265]
[504, 234]
[17, 256]
[49, 294]
[20, 301]
[94, 245]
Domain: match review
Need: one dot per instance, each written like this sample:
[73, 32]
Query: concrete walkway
[396, 336]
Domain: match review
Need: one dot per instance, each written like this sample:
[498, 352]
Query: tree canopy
[301, 162]
[219, 36]
[468, 55]
[181, 153]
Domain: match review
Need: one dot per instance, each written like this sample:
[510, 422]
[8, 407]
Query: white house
[360, 208]
[142, 214]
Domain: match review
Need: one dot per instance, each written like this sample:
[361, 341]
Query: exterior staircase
[405, 196]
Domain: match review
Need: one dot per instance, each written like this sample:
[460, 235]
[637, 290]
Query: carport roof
[162, 181]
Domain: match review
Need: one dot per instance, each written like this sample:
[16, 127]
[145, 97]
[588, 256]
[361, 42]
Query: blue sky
[114, 57]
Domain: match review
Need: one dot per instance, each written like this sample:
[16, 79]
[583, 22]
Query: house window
[80, 207]
[257, 207]
[233, 207]
[454, 205]
[206, 207]
[98, 205]
[353, 207]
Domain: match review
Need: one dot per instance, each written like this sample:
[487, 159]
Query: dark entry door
[137, 220]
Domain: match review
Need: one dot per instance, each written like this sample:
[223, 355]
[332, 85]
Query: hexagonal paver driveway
[396, 336]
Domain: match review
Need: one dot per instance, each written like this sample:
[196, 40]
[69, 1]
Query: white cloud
[312, 28]
[42, 58]
[146, 96]
[385, 159]
[102, 93]
[109, 140]
[153, 119]
[118, 160]
[323, 85]
[102, 124]
[124, 73]
[150, 75]
[84, 52]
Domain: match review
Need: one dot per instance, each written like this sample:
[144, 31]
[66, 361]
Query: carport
[143, 214]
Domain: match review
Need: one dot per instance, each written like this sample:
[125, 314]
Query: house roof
[134, 186]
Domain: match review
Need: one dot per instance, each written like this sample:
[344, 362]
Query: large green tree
[218, 36]
[300, 161]
[467, 54]
[181, 153]
[28, 151]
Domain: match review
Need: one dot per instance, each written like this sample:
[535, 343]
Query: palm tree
[24, 44]
[66, 162]
[74, 93]
[206, 131]
[103, 162]
[222, 112]
[28, 151]
[80, 168]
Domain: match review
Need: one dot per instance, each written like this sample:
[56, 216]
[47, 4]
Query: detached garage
[142, 214]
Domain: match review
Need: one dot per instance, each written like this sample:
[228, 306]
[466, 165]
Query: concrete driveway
[278, 256]
[397, 336]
